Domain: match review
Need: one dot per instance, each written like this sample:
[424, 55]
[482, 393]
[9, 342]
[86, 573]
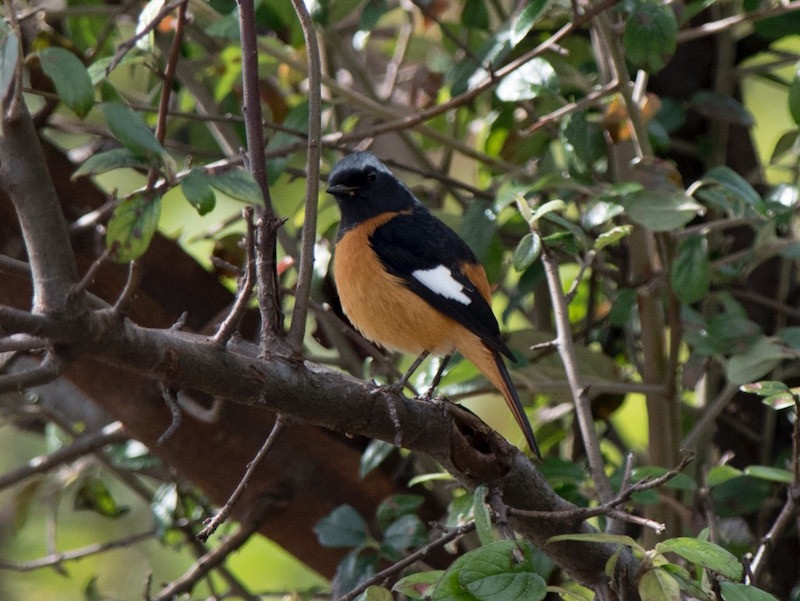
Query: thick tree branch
[23, 172]
[316, 395]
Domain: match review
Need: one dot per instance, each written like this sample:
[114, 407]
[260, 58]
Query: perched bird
[408, 282]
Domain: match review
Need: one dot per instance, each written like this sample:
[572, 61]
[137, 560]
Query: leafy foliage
[677, 246]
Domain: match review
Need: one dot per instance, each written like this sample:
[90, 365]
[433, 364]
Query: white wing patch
[440, 279]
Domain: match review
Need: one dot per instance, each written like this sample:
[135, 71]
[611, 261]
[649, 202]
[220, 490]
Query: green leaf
[132, 226]
[238, 184]
[404, 533]
[469, 74]
[535, 78]
[721, 107]
[583, 142]
[790, 336]
[356, 567]
[343, 527]
[526, 19]
[787, 143]
[659, 585]
[483, 521]
[735, 591]
[691, 270]
[371, 13]
[740, 496]
[375, 454]
[91, 592]
[474, 15]
[622, 307]
[396, 506]
[196, 187]
[612, 236]
[650, 36]
[760, 359]
[131, 131]
[794, 96]
[116, 158]
[721, 473]
[501, 571]
[527, 251]
[70, 78]
[132, 455]
[765, 387]
[375, 593]
[769, 473]
[704, 553]
[95, 496]
[734, 184]
[419, 585]
[9, 59]
[661, 211]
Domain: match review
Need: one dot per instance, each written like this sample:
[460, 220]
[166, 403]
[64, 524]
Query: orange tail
[491, 364]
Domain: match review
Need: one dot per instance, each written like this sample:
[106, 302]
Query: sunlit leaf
[483, 520]
[526, 19]
[534, 78]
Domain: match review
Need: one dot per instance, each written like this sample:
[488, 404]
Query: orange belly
[380, 306]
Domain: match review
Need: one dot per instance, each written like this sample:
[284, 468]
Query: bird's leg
[437, 378]
[401, 383]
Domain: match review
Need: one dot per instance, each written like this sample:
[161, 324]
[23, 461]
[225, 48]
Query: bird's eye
[372, 176]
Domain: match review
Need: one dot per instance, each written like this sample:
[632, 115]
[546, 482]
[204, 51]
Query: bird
[408, 282]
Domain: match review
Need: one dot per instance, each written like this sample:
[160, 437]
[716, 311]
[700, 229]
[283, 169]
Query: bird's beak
[340, 190]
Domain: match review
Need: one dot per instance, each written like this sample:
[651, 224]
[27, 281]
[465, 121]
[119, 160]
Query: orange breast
[380, 306]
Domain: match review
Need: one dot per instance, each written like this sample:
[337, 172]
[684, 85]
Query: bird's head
[364, 187]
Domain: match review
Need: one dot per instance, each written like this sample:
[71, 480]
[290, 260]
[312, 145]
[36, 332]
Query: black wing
[420, 241]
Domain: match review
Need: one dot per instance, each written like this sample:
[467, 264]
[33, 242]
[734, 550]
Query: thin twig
[126, 46]
[251, 101]
[48, 370]
[86, 443]
[566, 348]
[787, 514]
[129, 290]
[17, 343]
[218, 555]
[229, 325]
[88, 277]
[723, 24]
[397, 567]
[584, 513]
[55, 559]
[309, 234]
[175, 411]
[226, 509]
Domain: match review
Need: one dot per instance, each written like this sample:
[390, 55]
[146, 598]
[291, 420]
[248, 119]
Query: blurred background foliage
[700, 285]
